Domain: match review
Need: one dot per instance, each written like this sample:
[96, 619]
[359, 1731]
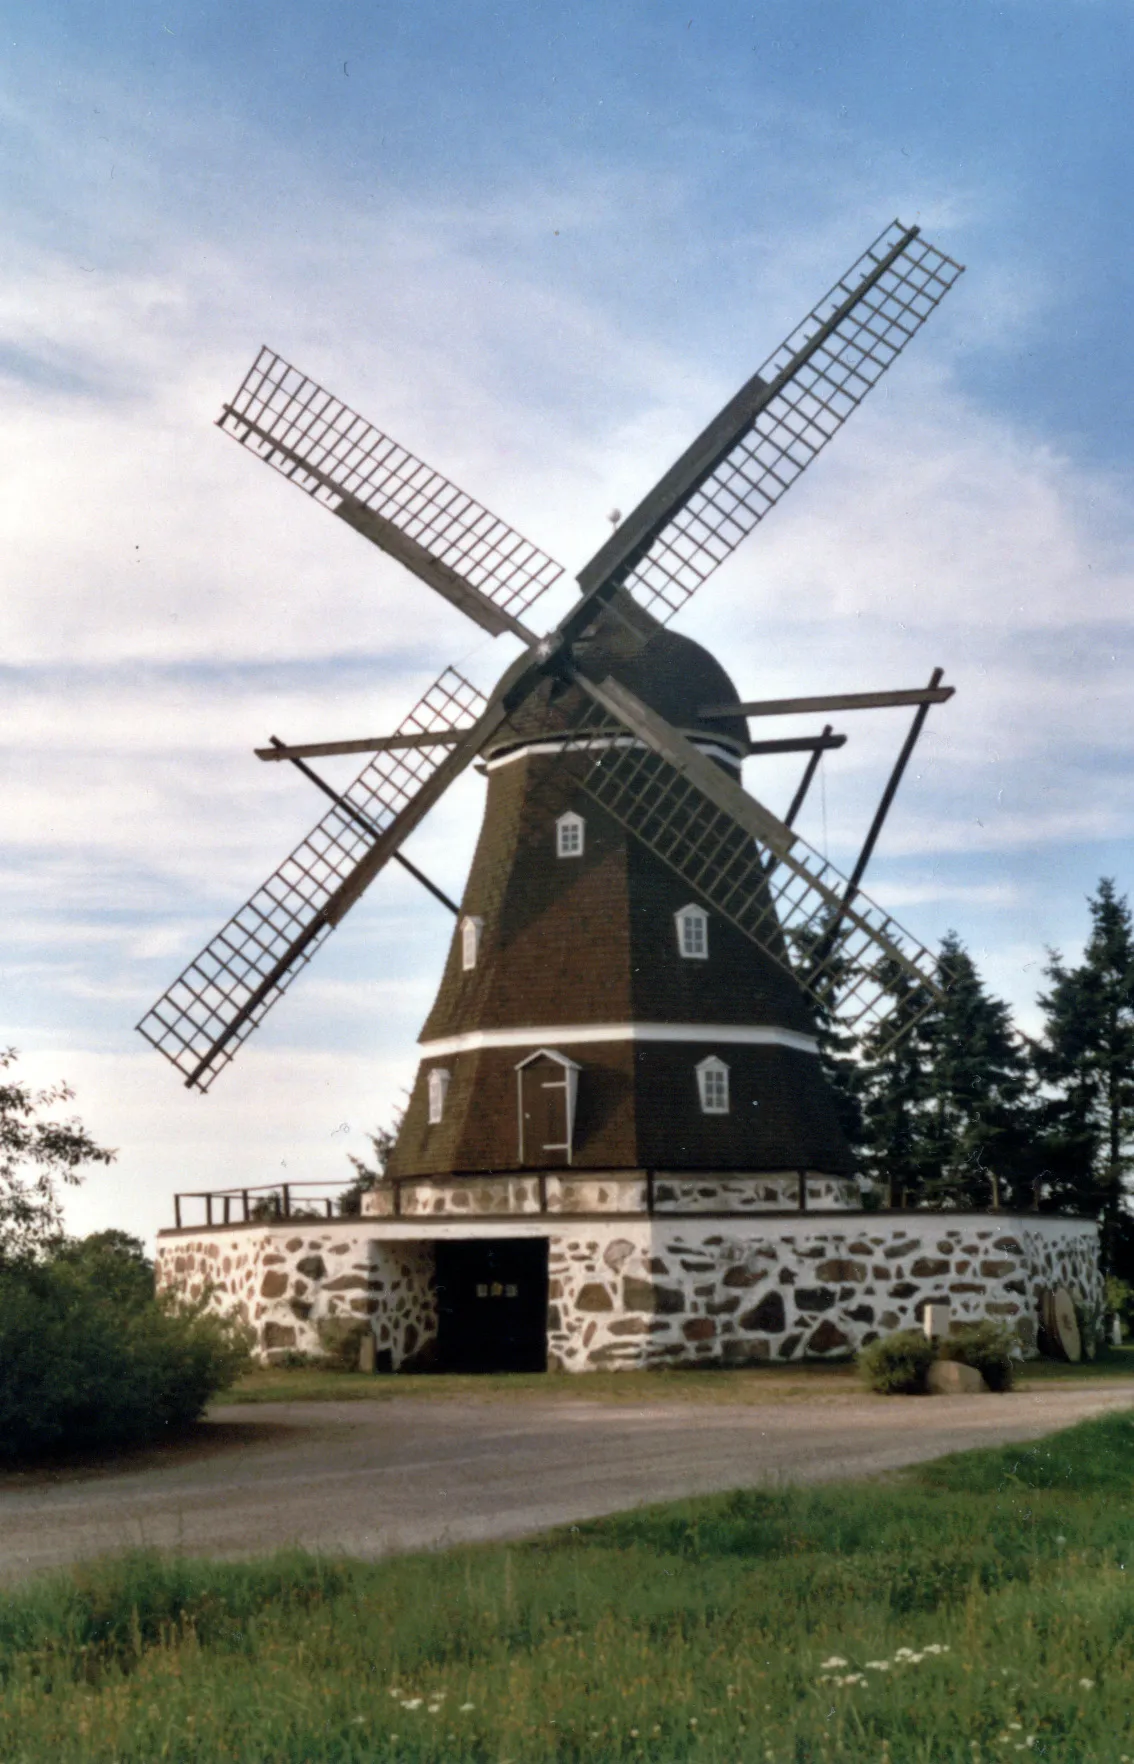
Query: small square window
[693, 933]
[569, 836]
[712, 1082]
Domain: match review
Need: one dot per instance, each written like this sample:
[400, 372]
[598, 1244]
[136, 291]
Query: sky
[541, 246]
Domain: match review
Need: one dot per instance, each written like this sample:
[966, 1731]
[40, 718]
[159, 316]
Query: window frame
[713, 1089]
[686, 918]
[567, 825]
[471, 929]
[437, 1088]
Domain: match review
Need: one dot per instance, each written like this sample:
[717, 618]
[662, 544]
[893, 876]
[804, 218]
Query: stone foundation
[641, 1291]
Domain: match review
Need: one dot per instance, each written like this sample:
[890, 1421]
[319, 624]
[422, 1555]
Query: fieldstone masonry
[284, 1279]
[636, 1291]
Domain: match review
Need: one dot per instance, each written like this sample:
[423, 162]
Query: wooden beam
[838, 701]
[815, 744]
[368, 744]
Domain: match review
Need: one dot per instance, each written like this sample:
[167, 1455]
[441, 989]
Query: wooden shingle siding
[593, 942]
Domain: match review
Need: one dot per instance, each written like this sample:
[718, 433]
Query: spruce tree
[975, 1128]
[1086, 1060]
[947, 1111]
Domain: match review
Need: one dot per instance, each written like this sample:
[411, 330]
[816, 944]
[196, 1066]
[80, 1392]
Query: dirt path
[410, 1473]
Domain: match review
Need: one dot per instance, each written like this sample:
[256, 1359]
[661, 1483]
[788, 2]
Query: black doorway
[492, 1305]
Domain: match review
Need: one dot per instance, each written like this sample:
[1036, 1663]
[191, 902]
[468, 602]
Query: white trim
[578, 1034]
[600, 744]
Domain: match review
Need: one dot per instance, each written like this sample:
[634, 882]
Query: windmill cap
[672, 675]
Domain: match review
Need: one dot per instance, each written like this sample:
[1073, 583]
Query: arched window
[712, 1083]
[470, 941]
[438, 1090]
[693, 933]
[569, 835]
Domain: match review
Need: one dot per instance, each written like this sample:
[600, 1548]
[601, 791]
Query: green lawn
[974, 1609]
[277, 1384]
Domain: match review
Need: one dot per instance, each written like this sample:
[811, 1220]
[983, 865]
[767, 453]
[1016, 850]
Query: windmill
[586, 705]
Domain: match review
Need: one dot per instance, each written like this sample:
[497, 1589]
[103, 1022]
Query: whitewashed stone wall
[616, 1192]
[283, 1279]
[795, 1288]
[651, 1292]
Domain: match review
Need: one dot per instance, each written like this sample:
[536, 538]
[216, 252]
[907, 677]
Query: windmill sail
[726, 482]
[200, 1021]
[714, 835]
[448, 538]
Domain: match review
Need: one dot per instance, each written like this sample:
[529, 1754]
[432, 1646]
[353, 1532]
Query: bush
[340, 1339]
[89, 1359]
[897, 1364]
[988, 1347]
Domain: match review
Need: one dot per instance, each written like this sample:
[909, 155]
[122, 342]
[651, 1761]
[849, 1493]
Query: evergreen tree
[894, 1087]
[947, 1110]
[977, 1124]
[1086, 1060]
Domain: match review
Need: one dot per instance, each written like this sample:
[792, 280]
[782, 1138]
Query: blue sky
[541, 247]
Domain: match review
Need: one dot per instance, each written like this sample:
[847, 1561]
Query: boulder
[952, 1378]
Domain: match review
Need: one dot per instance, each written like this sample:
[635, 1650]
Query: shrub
[340, 1337]
[988, 1347]
[87, 1360]
[897, 1364]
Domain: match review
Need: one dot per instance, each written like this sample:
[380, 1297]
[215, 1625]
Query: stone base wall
[790, 1288]
[638, 1291]
[284, 1279]
[619, 1191]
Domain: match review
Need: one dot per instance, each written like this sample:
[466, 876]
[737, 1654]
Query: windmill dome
[671, 674]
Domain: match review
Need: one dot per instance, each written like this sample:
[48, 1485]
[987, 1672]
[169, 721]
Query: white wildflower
[465, 1707]
[903, 1653]
[833, 1663]
[1086, 1684]
[878, 1665]
[412, 1703]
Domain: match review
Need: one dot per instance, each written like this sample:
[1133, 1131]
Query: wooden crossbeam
[839, 701]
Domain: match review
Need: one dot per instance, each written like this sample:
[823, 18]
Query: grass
[278, 1384]
[995, 1587]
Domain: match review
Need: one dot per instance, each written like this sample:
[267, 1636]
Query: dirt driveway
[410, 1473]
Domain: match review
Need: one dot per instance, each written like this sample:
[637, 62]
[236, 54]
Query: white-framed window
[693, 933]
[569, 835]
[438, 1091]
[470, 941]
[712, 1083]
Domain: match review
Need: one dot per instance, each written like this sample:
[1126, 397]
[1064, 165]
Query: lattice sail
[817, 377]
[787, 909]
[227, 989]
[336, 456]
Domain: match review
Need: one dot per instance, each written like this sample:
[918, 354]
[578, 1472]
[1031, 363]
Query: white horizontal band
[571, 744]
[574, 1034]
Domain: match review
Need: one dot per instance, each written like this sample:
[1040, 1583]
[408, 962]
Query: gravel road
[411, 1473]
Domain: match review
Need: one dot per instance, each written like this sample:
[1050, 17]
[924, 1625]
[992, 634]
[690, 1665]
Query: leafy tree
[37, 1152]
[1086, 1061]
[367, 1176]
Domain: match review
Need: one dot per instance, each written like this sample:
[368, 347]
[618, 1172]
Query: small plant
[988, 1347]
[1090, 1314]
[340, 1339]
[897, 1365]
